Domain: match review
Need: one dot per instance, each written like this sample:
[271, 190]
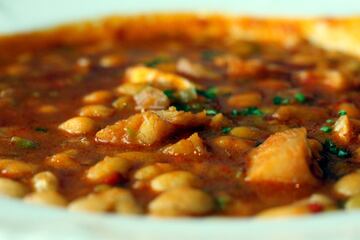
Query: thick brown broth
[41, 89]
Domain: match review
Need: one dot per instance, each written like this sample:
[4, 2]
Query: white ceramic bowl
[21, 221]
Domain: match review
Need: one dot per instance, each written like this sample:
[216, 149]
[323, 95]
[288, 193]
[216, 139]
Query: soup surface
[172, 127]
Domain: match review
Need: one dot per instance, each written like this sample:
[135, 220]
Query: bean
[90, 203]
[12, 188]
[353, 202]
[123, 102]
[245, 100]
[246, 132]
[45, 181]
[151, 171]
[108, 168]
[301, 207]
[46, 198]
[78, 125]
[180, 202]
[100, 111]
[97, 97]
[15, 168]
[117, 199]
[48, 109]
[173, 180]
[64, 160]
[349, 185]
[123, 200]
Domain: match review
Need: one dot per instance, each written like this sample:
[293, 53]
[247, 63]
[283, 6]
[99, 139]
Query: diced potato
[151, 99]
[181, 118]
[343, 130]
[283, 158]
[153, 129]
[156, 78]
[144, 129]
[241, 100]
[149, 127]
[190, 146]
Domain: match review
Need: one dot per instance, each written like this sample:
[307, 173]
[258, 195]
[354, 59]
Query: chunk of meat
[149, 127]
[189, 147]
[156, 78]
[151, 98]
[283, 158]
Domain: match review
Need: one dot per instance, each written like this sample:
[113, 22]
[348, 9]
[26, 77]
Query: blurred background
[19, 15]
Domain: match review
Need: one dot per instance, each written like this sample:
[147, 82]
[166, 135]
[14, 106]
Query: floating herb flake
[330, 146]
[210, 93]
[41, 129]
[250, 111]
[23, 142]
[326, 129]
[208, 55]
[342, 113]
[156, 61]
[300, 97]
[211, 112]
[277, 100]
[226, 130]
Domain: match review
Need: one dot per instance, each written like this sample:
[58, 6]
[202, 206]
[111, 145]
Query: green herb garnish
[330, 121]
[277, 100]
[343, 153]
[331, 147]
[250, 111]
[226, 130]
[41, 129]
[300, 97]
[326, 129]
[342, 113]
[222, 201]
[23, 142]
[211, 112]
[155, 61]
[169, 93]
[210, 93]
[208, 55]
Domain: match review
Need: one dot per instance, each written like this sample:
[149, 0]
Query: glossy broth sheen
[260, 89]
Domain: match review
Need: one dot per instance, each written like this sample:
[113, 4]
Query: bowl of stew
[154, 124]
